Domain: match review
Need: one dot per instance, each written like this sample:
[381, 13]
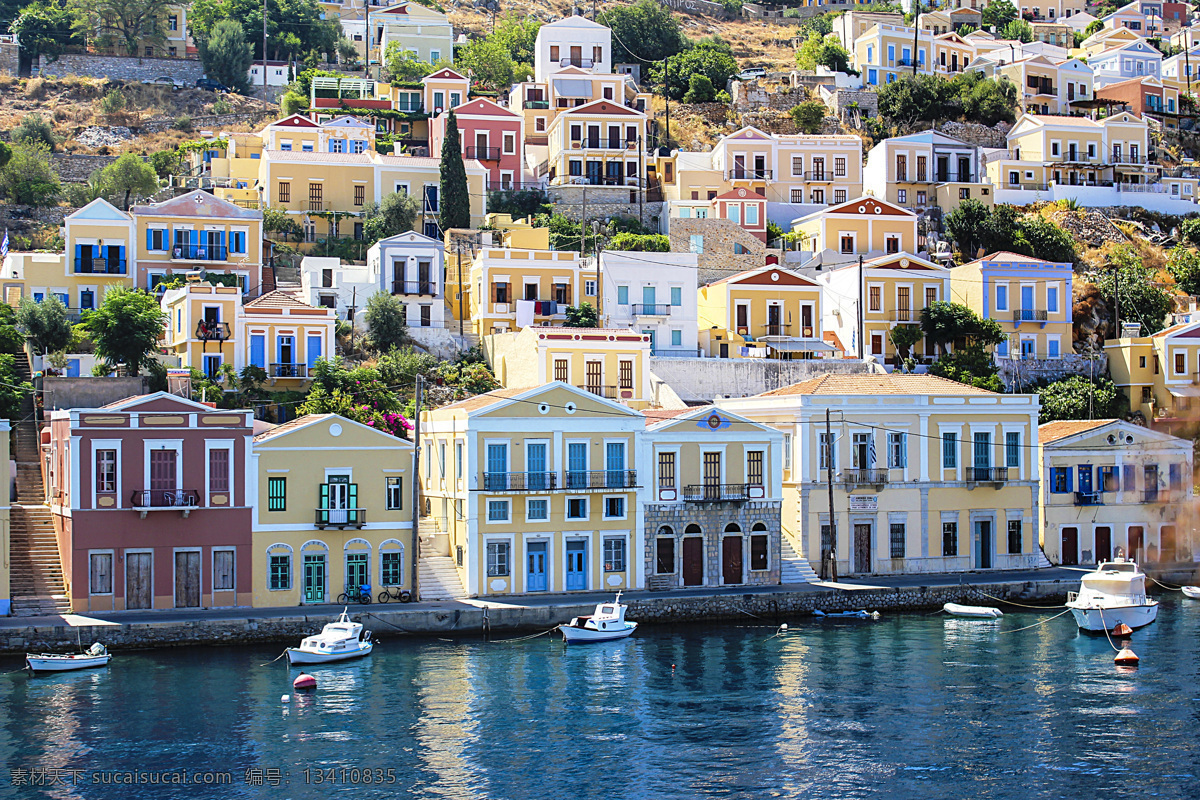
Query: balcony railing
[603, 144]
[744, 174]
[651, 309]
[100, 266]
[512, 186]
[987, 474]
[774, 329]
[483, 153]
[341, 517]
[536, 104]
[582, 63]
[722, 492]
[601, 479]
[904, 315]
[1089, 499]
[858, 477]
[164, 498]
[601, 391]
[1029, 315]
[198, 252]
[289, 370]
[209, 331]
[519, 481]
[414, 287]
[677, 353]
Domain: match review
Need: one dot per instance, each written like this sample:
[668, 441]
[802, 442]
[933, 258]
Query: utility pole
[458, 252]
[353, 308]
[599, 253]
[1117, 301]
[667, 100]
[641, 183]
[264, 55]
[416, 488]
[583, 228]
[916, 32]
[829, 451]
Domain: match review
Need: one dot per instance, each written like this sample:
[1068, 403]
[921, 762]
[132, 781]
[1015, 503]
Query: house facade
[490, 134]
[866, 226]
[411, 266]
[515, 287]
[926, 169]
[653, 294]
[769, 312]
[1159, 374]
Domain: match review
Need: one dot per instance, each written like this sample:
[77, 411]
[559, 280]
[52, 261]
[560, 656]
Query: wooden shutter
[218, 470]
[162, 470]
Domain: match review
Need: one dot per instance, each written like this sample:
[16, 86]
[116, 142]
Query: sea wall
[468, 620]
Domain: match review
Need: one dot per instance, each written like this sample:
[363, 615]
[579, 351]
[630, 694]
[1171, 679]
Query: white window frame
[488, 511]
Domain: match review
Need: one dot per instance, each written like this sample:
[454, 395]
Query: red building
[490, 134]
[150, 503]
[746, 207]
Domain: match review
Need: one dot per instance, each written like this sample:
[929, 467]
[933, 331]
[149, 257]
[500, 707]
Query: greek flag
[4, 245]
[871, 450]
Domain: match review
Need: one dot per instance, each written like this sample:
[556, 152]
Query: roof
[287, 427]
[298, 156]
[1053, 431]
[877, 384]
[485, 400]
[655, 415]
[1006, 255]
[276, 299]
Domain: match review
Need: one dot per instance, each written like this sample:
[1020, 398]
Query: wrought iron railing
[722, 492]
[987, 474]
[519, 481]
[101, 266]
[165, 498]
[1089, 499]
[199, 252]
[601, 479]
[341, 517]
[856, 477]
[414, 287]
[289, 370]
[600, 391]
[651, 309]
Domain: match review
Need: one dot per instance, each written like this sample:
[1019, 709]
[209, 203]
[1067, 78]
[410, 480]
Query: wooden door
[862, 547]
[314, 578]
[1069, 555]
[535, 578]
[1135, 543]
[693, 560]
[139, 580]
[983, 544]
[187, 579]
[1103, 544]
[731, 560]
[1166, 543]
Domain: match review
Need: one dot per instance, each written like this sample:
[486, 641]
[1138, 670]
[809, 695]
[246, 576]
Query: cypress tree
[456, 202]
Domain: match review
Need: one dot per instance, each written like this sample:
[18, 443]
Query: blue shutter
[78, 255]
[149, 239]
[258, 350]
[122, 256]
[221, 243]
[313, 350]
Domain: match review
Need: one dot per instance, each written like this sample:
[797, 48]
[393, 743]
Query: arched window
[732, 528]
[759, 526]
[665, 530]
[279, 567]
[391, 563]
[692, 530]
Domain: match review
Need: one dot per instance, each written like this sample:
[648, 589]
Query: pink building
[490, 134]
[150, 505]
[746, 207]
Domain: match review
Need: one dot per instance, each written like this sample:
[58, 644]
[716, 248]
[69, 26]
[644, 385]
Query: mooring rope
[272, 661]
[524, 638]
[1165, 586]
[1107, 635]
[1034, 625]
[384, 621]
[1010, 602]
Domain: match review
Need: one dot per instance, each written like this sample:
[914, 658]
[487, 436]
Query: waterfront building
[713, 497]
[149, 502]
[653, 294]
[865, 226]
[929, 475]
[513, 287]
[332, 511]
[1029, 297]
[769, 312]
[536, 490]
[1159, 374]
[926, 169]
[1111, 486]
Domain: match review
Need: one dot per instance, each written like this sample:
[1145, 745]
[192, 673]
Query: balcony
[582, 63]
[865, 477]
[147, 500]
[776, 329]
[1089, 499]
[950, 176]
[744, 174]
[722, 492]
[603, 144]
[596, 180]
[677, 353]
[538, 104]
[99, 266]
[483, 153]
[211, 331]
[289, 371]
[198, 252]
[1037, 88]
[820, 176]
[1029, 315]
[601, 479]
[651, 310]
[987, 474]
[601, 391]
[1155, 496]
[910, 315]
[519, 481]
[414, 287]
[341, 518]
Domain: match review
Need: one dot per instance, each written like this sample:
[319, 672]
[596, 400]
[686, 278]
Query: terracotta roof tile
[484, 400]
[291, 425]
[276, 299]
[876, 384]
[657, 415]
[1053, 431]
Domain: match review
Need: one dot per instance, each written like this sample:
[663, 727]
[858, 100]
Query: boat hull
[45, 663]
[972, 612]
[1192, 592]
[1097, 620]
[577, 635]
[297, 656]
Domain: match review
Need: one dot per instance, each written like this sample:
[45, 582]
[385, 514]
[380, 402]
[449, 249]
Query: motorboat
[96, 656]
[1192, 592]
[1112, 594]
[972, 612]
[860, 614]
[337, 641]
[607, 623]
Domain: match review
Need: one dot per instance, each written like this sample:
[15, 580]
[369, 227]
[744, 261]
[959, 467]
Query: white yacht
[605, 624]
[1113, 593]
[337, 641]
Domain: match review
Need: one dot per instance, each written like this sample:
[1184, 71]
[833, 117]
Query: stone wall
[90, 392]
[10, 59]
[851, 105]
[759, 93]
[700, 381]
[122, 68]
[977, 134]
[712, 519]
[1021, 374]
[213, 122]
[718, 259]
[77, 169]
[578, 202]
[698, 8]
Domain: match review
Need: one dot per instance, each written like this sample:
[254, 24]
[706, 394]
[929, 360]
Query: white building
[327, 282]
[654, 294]
[411, 266]
[572, 42]
[1134, 60]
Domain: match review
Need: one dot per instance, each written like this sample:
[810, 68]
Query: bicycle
[362, 595]
[395, 593]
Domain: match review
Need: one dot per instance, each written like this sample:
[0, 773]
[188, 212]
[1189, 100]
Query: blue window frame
[676, 295]
[1060, 480]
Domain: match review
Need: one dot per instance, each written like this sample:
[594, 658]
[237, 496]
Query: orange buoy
[1122, 630]
[1126, 658]
[304, 681]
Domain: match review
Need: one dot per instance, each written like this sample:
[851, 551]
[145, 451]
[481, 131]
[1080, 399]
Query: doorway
[664, 552]
[535, 575]
[314, 578]
[1166, 543]
[1069, 556]
[1136, 542]
[139, 580]
[576, 565]
[1103, 544]
[187, 579]
[338, 499]
[358, 571]
[731, 560]
[862, 547]
[693, 561]
[983, 544]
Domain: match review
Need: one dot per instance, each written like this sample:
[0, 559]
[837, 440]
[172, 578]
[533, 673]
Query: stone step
[439, 579]
[795, 568]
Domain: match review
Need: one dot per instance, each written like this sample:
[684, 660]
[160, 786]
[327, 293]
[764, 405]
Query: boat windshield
[607, 611]
[1118, 566]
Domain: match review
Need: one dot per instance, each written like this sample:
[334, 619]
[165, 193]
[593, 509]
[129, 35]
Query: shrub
[35, 128]
[182, 123]
[113, 102]
[35, 89]
[221, 106]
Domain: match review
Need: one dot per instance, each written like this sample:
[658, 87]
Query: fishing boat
[96, 656]
[337, 641]
[1192, 592]
[972, 612]
[607, 623]
[1113, 593]
[860, 614]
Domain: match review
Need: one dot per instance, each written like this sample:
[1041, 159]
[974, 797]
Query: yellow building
[100, 249]
[1160, 374]
[333, 511]
[885, 52]
[865, 226]
[601, 143]
[536, 490]
[929, 475]
[1111, 487]
[503, 280]
[926, 169]
[1029, 297]
[769, 312]
[201, 322]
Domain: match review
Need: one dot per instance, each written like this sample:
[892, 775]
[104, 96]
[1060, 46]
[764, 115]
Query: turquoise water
[909, 706]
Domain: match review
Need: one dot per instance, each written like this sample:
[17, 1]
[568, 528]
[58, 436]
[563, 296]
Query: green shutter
[324, 495]
[353, 513]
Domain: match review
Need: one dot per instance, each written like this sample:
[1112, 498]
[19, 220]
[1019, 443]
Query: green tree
[1047, 240]
[518, 34]
[126, 327]
[46, 28]
[648, 29]
[945, 323]
[998, 14]
[971, 365]
[44, 324]
[396, 214]
[1078, 397]
[455, 202]
[809, 116]
[358, 394]
[164, 162]
[1184, 266]
[824, 51]
[27, 179]
[1017, 30]
[125, 23]
[985, 100]
[700, 90]
[1142, 299]
[582, 316]
[965, 224]
[5, 154]
[1092, 29]
[904, 337]
[385, 321]
[127, 176]
[402, 65]
[1189, 231]
[35, 128]
[11, 339]
[711, 58]
[637, 242]
[489, 61]
[292, 103]
[12, 388]
[227, 56]
[294, 27]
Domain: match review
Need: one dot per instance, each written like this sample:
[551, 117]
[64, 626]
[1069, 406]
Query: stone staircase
[1042, 561]
[436, 572]
[795, 567]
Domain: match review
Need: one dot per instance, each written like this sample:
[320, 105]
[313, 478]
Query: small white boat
[972, 612]
[1113, 593]
[96, 656]
[607, 623]
[337, 641]
[861, 614]
[1192, 592]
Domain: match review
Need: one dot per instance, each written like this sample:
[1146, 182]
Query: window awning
[1184, 391]
[567, 87]
[789, 344]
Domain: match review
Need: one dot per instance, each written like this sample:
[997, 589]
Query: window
[797, 195]
[1002, 297]
[696, 243]
[1060, 480]
[839, 167]
[676, 295]
[828, 458]
[510, 143]
[614, 508]
[173, 22]
[1052, 299]
[897, 536]
[276, 494]
[874, 298]
[847, 243]
[964, 193]
[1109, 482]
[306, 147]
[218, 470]
[839, 195]
[394, 494]
[497, 510]
[787, 451]
[625, 374]
[497, 559]
[237, 241]
[897, 450]
[285, 192]
[666, 470]
[676, 338]
[758, 552]
[577, 508]
[622, 295]
[315, 191]
[1180, 363]
[1175, 473]
[1012, 449]
[391, 568]
[560, 369]
[589, 288]
[223, 571]
[537, 510]
[106, 471]
[1014, 536]
[281, 572]
[752, 215]
[901, 195]
[949, 451]
[614, 554]
[949, 539]
[360, 195]
[100, 573]
[157, 240]
[754, 467]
